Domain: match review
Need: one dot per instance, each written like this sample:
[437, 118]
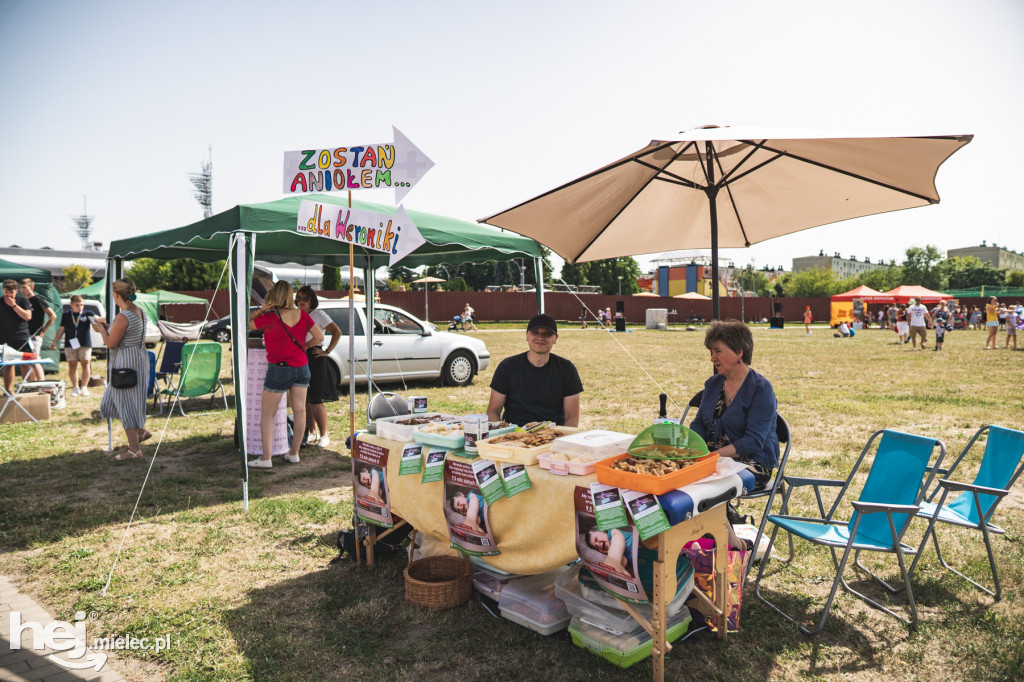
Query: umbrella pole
[712, 193]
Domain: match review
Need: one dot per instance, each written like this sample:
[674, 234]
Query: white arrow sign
[395, 235]
[399, 164]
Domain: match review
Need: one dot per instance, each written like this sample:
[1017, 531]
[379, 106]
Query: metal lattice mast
[84, 226]
[203, 183]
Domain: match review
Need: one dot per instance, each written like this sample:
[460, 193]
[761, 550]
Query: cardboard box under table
[535, 530]
[26, 407]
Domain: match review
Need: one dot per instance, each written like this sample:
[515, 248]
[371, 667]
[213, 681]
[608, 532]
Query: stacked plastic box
[532, 603]
[610, 632]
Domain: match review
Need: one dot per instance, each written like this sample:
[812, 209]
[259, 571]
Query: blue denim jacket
[748, 421]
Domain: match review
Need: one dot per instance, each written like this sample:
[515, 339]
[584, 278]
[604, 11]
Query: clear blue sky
[118, 101]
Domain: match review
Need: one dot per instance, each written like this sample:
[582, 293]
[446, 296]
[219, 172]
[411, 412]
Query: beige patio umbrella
[646, 293]
[693, 296]
[426, 282]
[730, 187]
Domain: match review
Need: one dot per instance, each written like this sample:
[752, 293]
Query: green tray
[602, 643]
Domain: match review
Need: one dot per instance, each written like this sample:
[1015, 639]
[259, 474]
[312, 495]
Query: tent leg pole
[110, 435]
[245, 496]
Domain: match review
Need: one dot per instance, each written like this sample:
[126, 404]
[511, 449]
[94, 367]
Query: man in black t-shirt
[15, 312]
[42, 317]
[536, 385]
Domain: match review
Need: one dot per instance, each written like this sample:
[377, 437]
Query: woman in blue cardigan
[737, 411]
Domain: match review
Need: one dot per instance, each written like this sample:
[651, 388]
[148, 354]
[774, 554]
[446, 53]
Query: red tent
[866, 294]
[904, 292]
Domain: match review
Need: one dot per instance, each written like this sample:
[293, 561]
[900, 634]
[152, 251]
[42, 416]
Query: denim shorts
[280, 379]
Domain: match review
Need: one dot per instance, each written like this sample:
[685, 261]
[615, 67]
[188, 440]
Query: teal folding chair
[200, 375]
[1001, 465]
[887, 504]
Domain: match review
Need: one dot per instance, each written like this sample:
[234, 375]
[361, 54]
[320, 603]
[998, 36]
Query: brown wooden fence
[520, 306]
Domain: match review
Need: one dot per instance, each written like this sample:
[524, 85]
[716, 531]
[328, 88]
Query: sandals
[126, 455]
[146, 435]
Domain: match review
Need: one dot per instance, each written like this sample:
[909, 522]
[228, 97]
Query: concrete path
[26, 664]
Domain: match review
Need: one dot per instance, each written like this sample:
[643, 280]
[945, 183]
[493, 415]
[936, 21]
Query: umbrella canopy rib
[849, 174]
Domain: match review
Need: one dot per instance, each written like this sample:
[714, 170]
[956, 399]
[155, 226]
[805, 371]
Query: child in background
[940, 335]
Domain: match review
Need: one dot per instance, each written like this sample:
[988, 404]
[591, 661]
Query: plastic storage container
[392, 428]
[453, 439]
[576, 453]
[658, 485]
[507, 451]
[531, 602]
[611, 616]
[490, 581]
[624, 650]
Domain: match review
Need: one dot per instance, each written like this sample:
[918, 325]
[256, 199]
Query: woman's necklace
[729, 395]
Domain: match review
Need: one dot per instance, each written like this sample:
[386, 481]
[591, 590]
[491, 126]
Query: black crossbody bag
[126, 377]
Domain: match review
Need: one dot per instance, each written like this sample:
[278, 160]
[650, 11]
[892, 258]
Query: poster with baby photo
[370, 484]
[610, 556]
[466, 511]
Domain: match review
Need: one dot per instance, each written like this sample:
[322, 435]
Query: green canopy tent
[149, 301]
[48, 292]
[268, 230]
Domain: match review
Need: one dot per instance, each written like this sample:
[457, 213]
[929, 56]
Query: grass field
[253, 596]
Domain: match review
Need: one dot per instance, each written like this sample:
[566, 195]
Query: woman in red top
[287, 367]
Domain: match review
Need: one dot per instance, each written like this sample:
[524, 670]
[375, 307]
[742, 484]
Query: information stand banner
[611, 556]
[466, 511]
[370, 481]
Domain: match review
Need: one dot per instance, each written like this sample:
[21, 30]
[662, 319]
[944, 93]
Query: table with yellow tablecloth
[535, 530]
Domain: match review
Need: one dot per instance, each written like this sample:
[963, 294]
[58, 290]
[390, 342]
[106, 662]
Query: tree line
[922, 266]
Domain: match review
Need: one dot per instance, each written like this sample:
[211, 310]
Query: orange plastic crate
[658, 485]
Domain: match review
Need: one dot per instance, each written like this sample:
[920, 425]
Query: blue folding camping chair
[888, 502]
[1001, 465]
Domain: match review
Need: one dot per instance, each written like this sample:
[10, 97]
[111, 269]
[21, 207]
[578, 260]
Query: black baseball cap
[542, 322]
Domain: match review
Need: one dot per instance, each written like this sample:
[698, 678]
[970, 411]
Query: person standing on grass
[902, 329]
[808, 318]
[583, 317]
[920, 320]
[940, 335]
[124, 341]
[467, 317]
[42, 317]
[991, 322]
[321, 380]
[1011, 326]
[15, 313]
[77, 324]
[282, 325]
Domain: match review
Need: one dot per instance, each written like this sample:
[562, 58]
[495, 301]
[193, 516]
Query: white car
[89, 305]
[404, 347]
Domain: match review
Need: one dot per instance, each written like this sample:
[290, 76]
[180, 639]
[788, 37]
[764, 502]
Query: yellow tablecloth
[534, 530]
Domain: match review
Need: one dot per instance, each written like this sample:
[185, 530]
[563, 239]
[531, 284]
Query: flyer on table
[491, 485]
[647, 513]
[611, 556]
[370, 484]
[516, 479]
[466, 511]
[608, 507]
[433, 468]
[412, 456]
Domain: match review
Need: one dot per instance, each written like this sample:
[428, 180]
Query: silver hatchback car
[404, 347]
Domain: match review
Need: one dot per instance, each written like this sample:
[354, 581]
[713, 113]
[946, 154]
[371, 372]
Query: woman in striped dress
[124, 341]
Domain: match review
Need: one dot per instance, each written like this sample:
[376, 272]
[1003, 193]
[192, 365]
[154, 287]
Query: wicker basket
[438, 582]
